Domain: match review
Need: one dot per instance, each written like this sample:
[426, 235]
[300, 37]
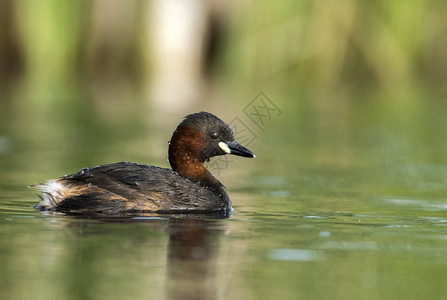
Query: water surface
[340, 204]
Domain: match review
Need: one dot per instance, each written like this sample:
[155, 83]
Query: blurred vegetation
[320, 45]
[314, 47]
[54, 45]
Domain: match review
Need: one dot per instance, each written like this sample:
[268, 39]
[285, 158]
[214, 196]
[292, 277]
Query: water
[339, 204]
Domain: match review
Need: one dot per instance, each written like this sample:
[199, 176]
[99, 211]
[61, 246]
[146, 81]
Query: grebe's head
[201, 136]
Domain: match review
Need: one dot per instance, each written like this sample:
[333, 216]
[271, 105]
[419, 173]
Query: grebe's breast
[130, 187]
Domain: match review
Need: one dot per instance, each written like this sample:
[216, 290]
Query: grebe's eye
[214, 135]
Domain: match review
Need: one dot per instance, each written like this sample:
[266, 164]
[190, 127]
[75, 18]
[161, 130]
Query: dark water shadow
[192, 249]
[192, 259]
[132, 217]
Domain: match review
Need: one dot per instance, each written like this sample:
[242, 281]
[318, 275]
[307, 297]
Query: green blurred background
[317, 48]
[100, 81]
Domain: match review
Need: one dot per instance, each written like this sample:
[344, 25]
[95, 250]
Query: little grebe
[130, 187]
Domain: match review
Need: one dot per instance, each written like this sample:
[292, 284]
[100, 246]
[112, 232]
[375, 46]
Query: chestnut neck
[185, 156]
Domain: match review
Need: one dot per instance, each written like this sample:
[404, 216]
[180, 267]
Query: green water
[346, 201]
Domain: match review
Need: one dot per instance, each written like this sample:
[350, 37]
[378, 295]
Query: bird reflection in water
[195, 266]
[192, 264]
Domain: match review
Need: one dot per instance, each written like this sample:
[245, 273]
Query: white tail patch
[53, 192]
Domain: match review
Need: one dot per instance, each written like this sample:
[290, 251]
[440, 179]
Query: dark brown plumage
[129, 187]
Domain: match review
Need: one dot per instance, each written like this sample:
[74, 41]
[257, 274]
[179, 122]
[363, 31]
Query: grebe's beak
[236, 149]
